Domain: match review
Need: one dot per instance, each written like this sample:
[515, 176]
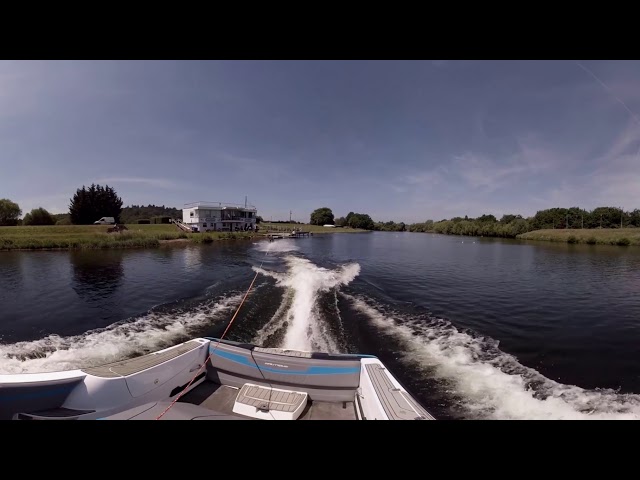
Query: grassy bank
[96, 237]
[591, 236]
[287, 227]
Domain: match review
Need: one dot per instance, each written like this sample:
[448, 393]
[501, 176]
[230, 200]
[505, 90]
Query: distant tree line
[92, 203]
[552, 218]
[259, 219]
[10, 215]
[324, 216]
[140, 212]
[509, 225]
[356, 220]
[390, 227]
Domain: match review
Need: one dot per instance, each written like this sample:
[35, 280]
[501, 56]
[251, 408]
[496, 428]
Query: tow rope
[218, 343]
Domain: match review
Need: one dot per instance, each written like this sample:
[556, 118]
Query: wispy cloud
[427, 178]
[152, 182]
[482, 172]
[626, 142]
[264, 168]
[608, 89]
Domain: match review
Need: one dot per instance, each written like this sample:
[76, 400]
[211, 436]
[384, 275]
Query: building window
[191, 214]
[204, 225]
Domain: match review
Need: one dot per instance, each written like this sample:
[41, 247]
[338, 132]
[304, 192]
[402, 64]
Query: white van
[105, 221]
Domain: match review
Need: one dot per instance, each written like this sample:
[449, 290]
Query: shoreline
[594, 236]
[96, 237]
[588, 236]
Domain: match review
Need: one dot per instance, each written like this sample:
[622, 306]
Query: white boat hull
[143, 387]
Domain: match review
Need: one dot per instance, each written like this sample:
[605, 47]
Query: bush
[157, 220]
[623, 242]
[64, 221]
[591, 240]
[38, 216]
[144, 222]
[572, 239]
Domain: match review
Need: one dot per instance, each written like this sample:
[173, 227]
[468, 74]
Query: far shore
[589, 236]
[95, 237]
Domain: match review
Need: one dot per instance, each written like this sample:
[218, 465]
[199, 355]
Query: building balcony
[221, 205]
[223, 219]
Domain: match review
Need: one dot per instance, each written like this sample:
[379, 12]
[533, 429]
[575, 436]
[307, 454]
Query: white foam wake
[304, 280]
[491, 383]
[277, 246]
[121, 340]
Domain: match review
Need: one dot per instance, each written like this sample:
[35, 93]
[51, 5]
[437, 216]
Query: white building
[218, 216]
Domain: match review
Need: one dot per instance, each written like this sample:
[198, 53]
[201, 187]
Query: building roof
[220, 205]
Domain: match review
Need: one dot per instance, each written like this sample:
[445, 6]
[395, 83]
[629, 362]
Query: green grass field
[592, 236]
[96, 237]
[288, 227]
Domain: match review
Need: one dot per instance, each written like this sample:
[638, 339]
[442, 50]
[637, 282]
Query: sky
[399, 140]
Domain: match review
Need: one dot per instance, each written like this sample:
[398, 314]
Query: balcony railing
[224, 219]
[219, 205]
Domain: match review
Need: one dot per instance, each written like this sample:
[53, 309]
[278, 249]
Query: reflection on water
[11, 273]
[165, 253]
[96, 276]
[192, 257]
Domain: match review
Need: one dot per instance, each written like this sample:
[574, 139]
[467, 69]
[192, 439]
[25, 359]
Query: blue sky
[402, 140]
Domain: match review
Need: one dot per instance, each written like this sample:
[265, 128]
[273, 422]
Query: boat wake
[280, 246]
[299, 315]
[490, 383]
[155, 330]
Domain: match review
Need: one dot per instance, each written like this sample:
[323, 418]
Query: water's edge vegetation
[94, 237]
[91, 237]
[603, 225]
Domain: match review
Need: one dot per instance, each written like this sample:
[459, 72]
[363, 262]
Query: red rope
[211, 353]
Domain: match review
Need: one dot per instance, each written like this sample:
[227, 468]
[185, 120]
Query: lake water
[474, 327]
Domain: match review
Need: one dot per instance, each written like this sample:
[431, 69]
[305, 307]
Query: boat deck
[220, 398]
[138, 364]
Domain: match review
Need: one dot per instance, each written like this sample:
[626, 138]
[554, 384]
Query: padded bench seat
[269, 403]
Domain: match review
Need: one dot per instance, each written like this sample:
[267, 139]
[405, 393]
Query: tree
[38, 216]
[259, 219]
[9, 212]
[508, 218]
[341, 222]
[361, 220]
[348, 217]
[390, 226]
[322, 216]
[90, 204]
[62, 218]
[487, 218]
